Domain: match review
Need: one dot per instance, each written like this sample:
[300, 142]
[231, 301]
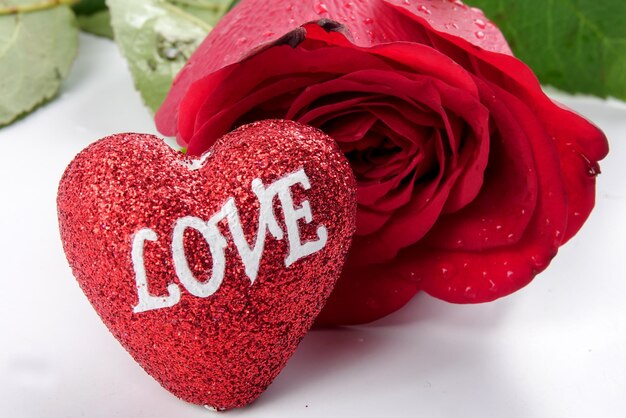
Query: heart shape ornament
[209, 272]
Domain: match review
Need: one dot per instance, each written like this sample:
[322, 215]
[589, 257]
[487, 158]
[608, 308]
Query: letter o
[216, 242]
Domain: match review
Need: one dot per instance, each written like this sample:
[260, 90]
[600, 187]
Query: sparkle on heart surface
[224, 350]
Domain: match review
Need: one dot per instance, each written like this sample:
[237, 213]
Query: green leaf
[38, 43]
[157, 37]
[233, 4]
[576, 45]
[98, 23]
[210, 11]
[88, 7]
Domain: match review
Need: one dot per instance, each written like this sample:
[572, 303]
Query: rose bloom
[469, 176]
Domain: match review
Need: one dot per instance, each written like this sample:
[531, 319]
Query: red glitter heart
[209, 272]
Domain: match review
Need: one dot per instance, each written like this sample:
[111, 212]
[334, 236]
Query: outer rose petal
[505, 205]
[508, 266]
[573, 133]
[256, 22]
[457, 19]
[358, 297]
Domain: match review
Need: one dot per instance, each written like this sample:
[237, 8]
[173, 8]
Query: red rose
[469, 177]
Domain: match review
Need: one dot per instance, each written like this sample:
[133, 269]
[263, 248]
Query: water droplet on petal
[423, 9]
[480, 23]
[320, 8]
[480, 34]
[372, 304]
[459, 3]
[414, 278]
[539, 262]
[447, 271]
[509, 274]
[407, 2]
[368, 20]
[242, 40]
[593, 169]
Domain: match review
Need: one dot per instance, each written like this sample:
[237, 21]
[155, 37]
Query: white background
[555, 349]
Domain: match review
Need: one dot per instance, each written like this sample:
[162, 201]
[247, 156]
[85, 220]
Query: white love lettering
[250, 254]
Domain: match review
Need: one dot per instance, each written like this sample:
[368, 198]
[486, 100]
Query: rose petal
[230, 99]
[257, 22]
[455, 19]
[567, 129]
[369, 221]
[361, 296]
[581, 189]
[462, 276]
[473, 152]
[354, 121]
[223, 113]
[401, 230]
[501, 212]
[387, 195]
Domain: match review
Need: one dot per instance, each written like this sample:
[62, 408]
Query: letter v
[251, 257]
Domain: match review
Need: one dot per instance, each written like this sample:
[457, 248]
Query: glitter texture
[221, 351]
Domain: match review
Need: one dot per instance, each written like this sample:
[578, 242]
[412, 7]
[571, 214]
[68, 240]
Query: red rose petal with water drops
[255, 23]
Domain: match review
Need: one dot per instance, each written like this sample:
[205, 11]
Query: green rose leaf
[88, 7]
[576, 45]
[211, 11]
[38, 43]
[98, 23]
[157, 37]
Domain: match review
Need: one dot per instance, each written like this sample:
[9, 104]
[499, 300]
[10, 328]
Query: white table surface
[555, 349]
